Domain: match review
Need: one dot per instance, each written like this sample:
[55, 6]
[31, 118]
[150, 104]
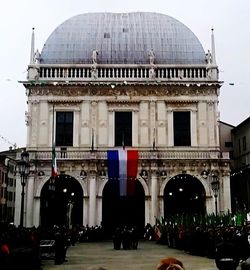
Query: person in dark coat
[226, 254]
[59, 247]
[134, 238]
[117, 238]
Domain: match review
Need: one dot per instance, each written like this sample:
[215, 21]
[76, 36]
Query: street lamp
[24, 170]
[215, 184]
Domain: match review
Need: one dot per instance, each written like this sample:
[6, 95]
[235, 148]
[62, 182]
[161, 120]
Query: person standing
[226, 253]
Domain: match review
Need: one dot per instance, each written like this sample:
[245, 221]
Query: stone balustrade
[143, 155]
[62, 73]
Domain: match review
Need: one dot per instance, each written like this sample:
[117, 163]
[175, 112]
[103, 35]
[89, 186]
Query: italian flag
[123, 166]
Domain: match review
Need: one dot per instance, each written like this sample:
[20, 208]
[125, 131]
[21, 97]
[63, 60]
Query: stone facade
[152, 101]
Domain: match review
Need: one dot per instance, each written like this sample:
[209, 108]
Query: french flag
[123, 166]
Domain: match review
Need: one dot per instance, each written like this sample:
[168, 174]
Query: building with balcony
[122, 85]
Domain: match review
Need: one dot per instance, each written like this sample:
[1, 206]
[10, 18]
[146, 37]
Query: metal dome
[122, 38]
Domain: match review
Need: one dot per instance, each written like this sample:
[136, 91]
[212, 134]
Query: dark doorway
[62, 203]
[184, 194]
[120, 211]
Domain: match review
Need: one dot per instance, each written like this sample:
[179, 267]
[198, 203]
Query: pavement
[90, 256]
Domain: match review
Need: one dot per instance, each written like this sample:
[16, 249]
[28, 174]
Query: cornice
[122, 91]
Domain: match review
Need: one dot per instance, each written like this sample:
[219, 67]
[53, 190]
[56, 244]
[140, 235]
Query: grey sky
[230, 19]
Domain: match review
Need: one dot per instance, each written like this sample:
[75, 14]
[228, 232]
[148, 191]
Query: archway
[184, 194]
[62, 202]
[119, 211]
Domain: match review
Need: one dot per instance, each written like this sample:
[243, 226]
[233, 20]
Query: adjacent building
[240, 176]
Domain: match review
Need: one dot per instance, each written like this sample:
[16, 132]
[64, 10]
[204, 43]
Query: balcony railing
[128, 73]
[143, 155]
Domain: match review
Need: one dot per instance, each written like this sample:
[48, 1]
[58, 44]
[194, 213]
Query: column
[224, 198]
[18, 201]
[194, 127]
[76, 133]
[161, 206]
[152, 124]
[147, 207]
[211, 124]
[154, 197]
[30, 201]
[135, 129]
[36, 211]
[99, 211]
[111, 126]
[85, 210]
[170, 127]
[92, 200]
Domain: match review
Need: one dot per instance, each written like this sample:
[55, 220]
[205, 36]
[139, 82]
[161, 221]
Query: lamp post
[23, 170]
[215, 184]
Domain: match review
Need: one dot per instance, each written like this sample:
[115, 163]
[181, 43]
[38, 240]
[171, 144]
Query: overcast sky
[230, 19]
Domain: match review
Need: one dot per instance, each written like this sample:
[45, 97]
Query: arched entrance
[122, 210]
[62, 202]
[184, 194]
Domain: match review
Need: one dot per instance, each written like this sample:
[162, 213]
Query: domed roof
[122, 38]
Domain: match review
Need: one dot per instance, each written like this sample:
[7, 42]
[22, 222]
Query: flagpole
[92, 141]
[123, 143]
[154, 139]
[53, 153]
[53, 124]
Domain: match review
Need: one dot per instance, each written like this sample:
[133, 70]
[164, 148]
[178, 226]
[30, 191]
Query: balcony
[143, 155]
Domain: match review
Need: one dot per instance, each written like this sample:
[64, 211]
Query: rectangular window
[64, 128]
[182, 130]
[244, 143]
[123, 128]
[228, 144]
[239, 146]
[10, 182]
[10, 196]
[106, 35]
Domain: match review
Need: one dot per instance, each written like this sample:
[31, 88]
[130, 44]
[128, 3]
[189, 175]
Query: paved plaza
[88, 256]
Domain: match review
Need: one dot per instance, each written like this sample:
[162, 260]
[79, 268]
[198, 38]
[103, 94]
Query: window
[64, 128]
[123, 128]
[244, 143]
[10, 196]
[228, 144]
[10, 182]
[106, 35]
[182, 134]
[239, 146]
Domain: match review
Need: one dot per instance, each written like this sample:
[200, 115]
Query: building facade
[7, 186]
[133, 81]
[241, 166]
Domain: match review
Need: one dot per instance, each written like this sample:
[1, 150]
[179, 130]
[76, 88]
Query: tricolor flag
[54, 171]
[122, 166]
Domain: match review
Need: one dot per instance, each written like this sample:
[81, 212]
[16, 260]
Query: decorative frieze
[122, 91]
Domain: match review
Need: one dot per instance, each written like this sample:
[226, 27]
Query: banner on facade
[123, 166]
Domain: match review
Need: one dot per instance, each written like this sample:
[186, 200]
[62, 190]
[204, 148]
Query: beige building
[105, 81]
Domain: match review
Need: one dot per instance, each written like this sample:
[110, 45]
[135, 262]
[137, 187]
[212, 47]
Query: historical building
[139, 83]
[7, 185]
[240, 176]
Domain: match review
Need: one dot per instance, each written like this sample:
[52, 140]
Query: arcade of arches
[62, 201]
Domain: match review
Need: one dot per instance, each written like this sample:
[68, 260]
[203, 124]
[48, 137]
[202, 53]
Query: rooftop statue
[151, 57]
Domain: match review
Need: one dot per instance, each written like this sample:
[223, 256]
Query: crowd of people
[20, 247]
[126, 237]
[228, 245]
